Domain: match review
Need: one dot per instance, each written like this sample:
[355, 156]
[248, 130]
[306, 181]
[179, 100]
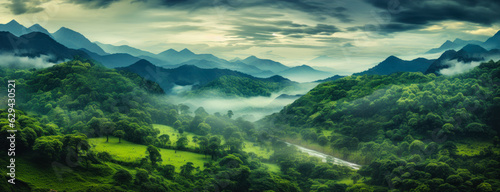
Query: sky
[353, 34]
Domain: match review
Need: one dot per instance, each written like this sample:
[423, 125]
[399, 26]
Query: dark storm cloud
[318, 8]
[386, 28]
[18, 7]
[93, 4]
[423, 12]
[261, 32]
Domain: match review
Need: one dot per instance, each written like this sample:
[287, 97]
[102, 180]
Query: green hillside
[412, 131]
[82, 127]
[233, 86]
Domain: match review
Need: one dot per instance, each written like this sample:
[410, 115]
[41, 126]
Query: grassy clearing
[174, 136]
[260, 151]
[473, 147]
[57, 176]
[272, 167]
[127, 151]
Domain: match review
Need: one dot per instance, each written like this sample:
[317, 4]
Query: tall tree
[120, 134]
[154, 154]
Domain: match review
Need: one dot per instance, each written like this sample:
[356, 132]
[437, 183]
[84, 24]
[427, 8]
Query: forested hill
[75, 94]
[412, 130]
[216, 81]
[233, 86]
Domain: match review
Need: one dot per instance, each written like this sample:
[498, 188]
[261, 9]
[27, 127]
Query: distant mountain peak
[36, 25]
[186, 51]
[305, 67]
[169, 51]
[252, 57]
[63, 28]
[392, 58]
[497, 34]
[473, 48]
[143, 62]
[13, 22]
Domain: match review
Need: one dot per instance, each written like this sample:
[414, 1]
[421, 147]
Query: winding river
[325, 157]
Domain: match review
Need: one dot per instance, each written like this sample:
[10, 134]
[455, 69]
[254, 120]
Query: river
[325, 157]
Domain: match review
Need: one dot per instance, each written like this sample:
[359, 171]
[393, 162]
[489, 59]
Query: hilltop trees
[181, 143]
[122, 176]
[154, 155]
[164, 139]
[120, 134]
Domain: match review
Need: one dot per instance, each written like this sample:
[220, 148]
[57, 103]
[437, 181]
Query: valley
[93, 116]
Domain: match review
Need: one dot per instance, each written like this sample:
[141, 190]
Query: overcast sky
[357, 34]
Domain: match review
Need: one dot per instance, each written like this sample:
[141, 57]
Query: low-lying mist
[456, 67]
[251, 109]
[12, 61]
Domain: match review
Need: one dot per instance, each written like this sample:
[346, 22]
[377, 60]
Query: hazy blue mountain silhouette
[265, 64]
[304, 73]
[184, 75]
[124, 49]
[393, 64]
[467, 54]
[36, 44]
[491, 43]
[75, 40]
[332, 78]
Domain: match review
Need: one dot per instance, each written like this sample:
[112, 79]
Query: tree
[322, 140]
[187, 169]
[154, 154]
[203, 129]
[141, 176]
[200, 112]
[230, 114]
[416, 146]
[182, 142]
[122, 176]
[177, 124]
[184, 109]
[107, 129]
[120, 134]
[213, 146]
[164, 139]
[235, 145]
[203, 143]
[484, 187]
[49, 146]
[168, 171]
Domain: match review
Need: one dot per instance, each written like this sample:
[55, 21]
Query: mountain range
[466, 55]
[187, 75]
[394, 64]
[36, 44]
[66, 43]
[491, 43]
[304, 73]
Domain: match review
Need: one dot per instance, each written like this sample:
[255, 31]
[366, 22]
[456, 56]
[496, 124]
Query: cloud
[17, 62]
[18, 7]
[455, 67]
[411, 14]
[317, 8]
[270, 31]
[181, 28]
[93, 4]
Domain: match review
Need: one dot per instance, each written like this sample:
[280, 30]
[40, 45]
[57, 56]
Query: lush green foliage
[405, 127]
[231, 86]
